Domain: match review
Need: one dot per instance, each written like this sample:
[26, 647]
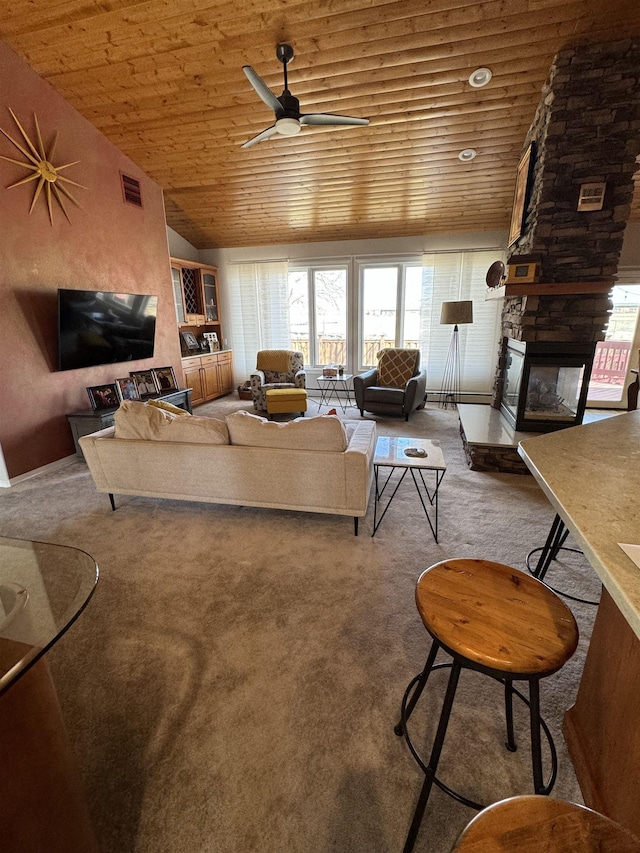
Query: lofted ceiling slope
[163, 80]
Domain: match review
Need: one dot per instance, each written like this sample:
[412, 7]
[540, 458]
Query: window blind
[450, 277]
[259, 311]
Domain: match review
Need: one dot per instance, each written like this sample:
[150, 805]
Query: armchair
[276, 368]
[396, 387]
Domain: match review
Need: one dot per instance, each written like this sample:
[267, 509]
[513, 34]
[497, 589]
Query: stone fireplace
[586, 131]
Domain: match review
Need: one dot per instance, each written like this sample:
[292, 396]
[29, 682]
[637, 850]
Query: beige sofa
[311, 464]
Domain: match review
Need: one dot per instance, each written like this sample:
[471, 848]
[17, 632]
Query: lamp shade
[455, 313]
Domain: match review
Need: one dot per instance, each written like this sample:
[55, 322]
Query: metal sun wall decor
[39, 161]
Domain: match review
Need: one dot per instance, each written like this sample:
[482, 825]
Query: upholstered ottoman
[280, 400]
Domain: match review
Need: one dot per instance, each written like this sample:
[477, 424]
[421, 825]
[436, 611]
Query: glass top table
[335, 386]
[43, 590]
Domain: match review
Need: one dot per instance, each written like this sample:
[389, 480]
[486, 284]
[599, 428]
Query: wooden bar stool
[540, 825]
[497, 620]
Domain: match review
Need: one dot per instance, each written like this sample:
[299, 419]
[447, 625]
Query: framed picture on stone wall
[521, 195]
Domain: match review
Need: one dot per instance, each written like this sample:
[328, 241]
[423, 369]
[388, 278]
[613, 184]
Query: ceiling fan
[289, 119]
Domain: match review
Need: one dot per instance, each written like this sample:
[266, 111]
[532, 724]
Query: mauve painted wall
[110, 245]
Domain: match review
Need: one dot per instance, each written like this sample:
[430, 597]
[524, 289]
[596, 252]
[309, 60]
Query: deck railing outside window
[334, 350]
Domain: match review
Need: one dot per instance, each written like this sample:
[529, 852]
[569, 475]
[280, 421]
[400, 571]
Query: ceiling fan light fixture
[480, 77]
[288, 126]
[467, 155]
[289, 119]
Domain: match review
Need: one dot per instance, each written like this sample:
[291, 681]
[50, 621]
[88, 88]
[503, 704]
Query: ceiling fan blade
[270, 131]
[330, 119]
[262, 89]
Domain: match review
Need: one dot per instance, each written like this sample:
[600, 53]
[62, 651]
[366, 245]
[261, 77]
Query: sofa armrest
[363, 437]
[89, 445]
[362, 381]
[358, 459]
[300, 379]
[259, 377]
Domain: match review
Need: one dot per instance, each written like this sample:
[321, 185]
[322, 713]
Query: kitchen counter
[591, 475]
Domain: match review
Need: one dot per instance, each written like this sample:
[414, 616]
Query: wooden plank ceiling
[163, 80]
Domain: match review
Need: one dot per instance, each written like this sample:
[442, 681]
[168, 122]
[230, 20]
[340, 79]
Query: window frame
[312, 268]
[401, 263]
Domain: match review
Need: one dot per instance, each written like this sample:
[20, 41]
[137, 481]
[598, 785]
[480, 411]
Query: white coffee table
[390, 454]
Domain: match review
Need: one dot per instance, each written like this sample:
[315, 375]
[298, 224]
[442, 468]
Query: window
[317, 307]
[453, 276]
[318, 313]
[391, 299]
[400, 306]
[613, 356]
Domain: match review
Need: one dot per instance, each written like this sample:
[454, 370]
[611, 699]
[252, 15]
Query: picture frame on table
[127, 388]
[145, 383]
[104, 396]
[165, 378]
[521, 194]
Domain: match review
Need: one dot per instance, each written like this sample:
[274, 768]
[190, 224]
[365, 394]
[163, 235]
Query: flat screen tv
[100, 327]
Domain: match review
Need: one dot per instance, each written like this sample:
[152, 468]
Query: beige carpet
[234, 682]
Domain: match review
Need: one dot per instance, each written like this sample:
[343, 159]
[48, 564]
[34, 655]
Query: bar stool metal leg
[536, 746]
[400, 727]
[508, 708]
[554, 543]
[555, 540]
[436, 750]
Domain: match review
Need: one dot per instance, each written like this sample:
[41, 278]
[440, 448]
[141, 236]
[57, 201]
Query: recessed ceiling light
[480, 77]
[467, 155]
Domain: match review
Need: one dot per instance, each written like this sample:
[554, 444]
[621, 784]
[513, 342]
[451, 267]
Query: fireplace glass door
[553, 393]
[545, 384]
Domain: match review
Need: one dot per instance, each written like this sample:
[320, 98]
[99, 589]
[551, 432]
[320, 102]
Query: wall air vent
[131, 191]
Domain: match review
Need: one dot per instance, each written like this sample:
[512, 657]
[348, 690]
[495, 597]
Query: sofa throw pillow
[137, 420]
[168, 407]
[396, 367]
[195, 430]
[325, 432]
[150, 423]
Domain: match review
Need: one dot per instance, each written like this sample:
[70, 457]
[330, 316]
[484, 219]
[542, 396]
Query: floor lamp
[453, 314]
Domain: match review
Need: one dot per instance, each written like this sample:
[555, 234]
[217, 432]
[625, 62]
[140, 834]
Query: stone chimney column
[586, 130]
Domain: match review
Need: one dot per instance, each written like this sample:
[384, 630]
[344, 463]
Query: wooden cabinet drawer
[194, 320]
[209, 359]
[191, 362]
